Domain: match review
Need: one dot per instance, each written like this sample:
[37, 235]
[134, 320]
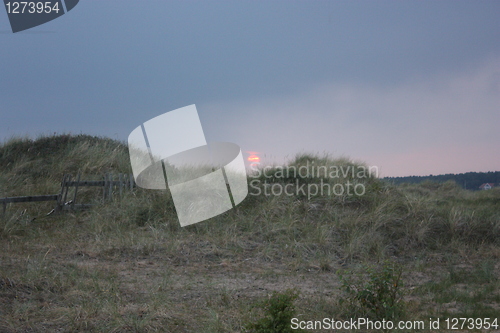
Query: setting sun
[253, 158]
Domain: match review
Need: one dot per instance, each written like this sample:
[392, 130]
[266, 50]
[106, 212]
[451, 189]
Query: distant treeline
[468, 180]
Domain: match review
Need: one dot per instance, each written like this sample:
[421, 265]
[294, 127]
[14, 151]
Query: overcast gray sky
[412, 87]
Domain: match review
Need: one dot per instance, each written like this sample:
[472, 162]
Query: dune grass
[127, 265]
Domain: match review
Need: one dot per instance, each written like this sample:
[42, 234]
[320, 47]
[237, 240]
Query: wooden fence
[110, 183]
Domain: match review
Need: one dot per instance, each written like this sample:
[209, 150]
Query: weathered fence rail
[31, 198]
[109, 184]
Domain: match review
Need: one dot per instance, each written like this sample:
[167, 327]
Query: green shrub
[279, 311]
[378, 296]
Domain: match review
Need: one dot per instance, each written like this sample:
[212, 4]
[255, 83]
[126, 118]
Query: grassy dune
[394, 252]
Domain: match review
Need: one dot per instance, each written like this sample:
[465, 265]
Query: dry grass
[128, 266]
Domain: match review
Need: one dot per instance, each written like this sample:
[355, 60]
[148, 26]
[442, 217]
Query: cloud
[446, 123]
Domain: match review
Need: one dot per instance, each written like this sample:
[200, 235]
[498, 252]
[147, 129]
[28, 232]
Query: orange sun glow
[253, 158]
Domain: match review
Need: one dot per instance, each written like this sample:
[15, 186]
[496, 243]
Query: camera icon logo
[205, 179]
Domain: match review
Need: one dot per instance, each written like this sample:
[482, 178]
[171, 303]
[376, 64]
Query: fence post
[105, 188]
[76, 190]
[60, 202]
[67, 189]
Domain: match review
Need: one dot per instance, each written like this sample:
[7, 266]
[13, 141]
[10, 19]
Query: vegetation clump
[279, 311]
[378, 296]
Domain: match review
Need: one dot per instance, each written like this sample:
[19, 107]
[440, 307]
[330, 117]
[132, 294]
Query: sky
[412, 87]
